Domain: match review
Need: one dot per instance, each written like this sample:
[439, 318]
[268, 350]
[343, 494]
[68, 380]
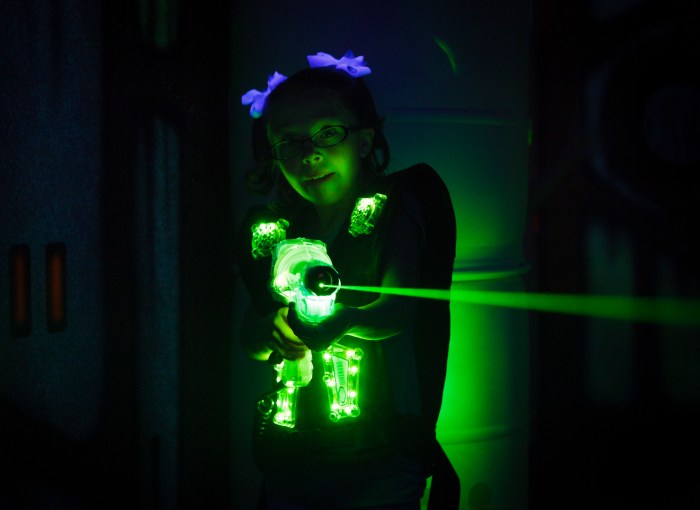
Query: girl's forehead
[302, 111]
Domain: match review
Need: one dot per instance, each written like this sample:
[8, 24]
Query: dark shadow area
[615, 406]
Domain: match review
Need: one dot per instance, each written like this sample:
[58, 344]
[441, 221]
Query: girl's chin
[321, 198]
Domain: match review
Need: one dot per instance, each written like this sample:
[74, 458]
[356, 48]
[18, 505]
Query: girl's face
[325, 176]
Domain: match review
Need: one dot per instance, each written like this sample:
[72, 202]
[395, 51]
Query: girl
[318, 140]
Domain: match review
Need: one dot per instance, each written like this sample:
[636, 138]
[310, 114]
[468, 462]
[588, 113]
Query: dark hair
[352, 93]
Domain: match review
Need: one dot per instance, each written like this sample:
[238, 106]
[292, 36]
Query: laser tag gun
[302, 273]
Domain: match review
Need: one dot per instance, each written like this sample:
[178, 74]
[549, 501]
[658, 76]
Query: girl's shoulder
[253, 217]
[419, 187]
[420, 178]
[420, 192]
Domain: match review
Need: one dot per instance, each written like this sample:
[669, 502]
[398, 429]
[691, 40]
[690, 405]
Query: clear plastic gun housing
[302, 272]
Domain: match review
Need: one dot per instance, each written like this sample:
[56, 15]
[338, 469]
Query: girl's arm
[389, 315]
[262, 335]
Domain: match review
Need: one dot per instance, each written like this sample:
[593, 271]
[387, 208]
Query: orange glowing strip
[20, 295]
[56, 287]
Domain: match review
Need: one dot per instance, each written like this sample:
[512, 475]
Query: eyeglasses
[326, 137]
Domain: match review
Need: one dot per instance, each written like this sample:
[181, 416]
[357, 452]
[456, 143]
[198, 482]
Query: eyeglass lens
[326, 137]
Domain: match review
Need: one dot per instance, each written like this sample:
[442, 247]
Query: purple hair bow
[256, 99]
[354, 66]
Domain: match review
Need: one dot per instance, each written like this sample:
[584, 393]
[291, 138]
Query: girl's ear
[366, 136]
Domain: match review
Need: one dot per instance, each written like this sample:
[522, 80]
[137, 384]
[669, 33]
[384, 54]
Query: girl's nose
[310, 154]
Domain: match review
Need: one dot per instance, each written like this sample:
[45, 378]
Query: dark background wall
[114, 147]
[114, 155]
[615, 121]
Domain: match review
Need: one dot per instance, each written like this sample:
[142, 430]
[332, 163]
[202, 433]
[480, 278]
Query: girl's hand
[318, 337]
[283, 341]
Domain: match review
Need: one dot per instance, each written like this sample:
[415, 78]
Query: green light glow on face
[679, 312]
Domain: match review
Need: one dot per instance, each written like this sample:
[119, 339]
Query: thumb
[292, 316]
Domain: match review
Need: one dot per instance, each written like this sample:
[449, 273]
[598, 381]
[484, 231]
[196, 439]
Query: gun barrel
[321, 280]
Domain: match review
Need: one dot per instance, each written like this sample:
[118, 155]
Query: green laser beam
[671, 311]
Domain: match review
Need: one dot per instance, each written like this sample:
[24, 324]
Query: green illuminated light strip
[450, 54]
[673, 311]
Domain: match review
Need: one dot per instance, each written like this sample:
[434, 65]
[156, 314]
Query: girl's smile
[320, 179]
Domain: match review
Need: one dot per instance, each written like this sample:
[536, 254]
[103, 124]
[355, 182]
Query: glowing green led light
[266, 236]
[365, 214]
[341, 374]
[286, 407]
[295, 373]
[450, 54]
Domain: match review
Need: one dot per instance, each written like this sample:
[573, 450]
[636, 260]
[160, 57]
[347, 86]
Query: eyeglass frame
[300, 143]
